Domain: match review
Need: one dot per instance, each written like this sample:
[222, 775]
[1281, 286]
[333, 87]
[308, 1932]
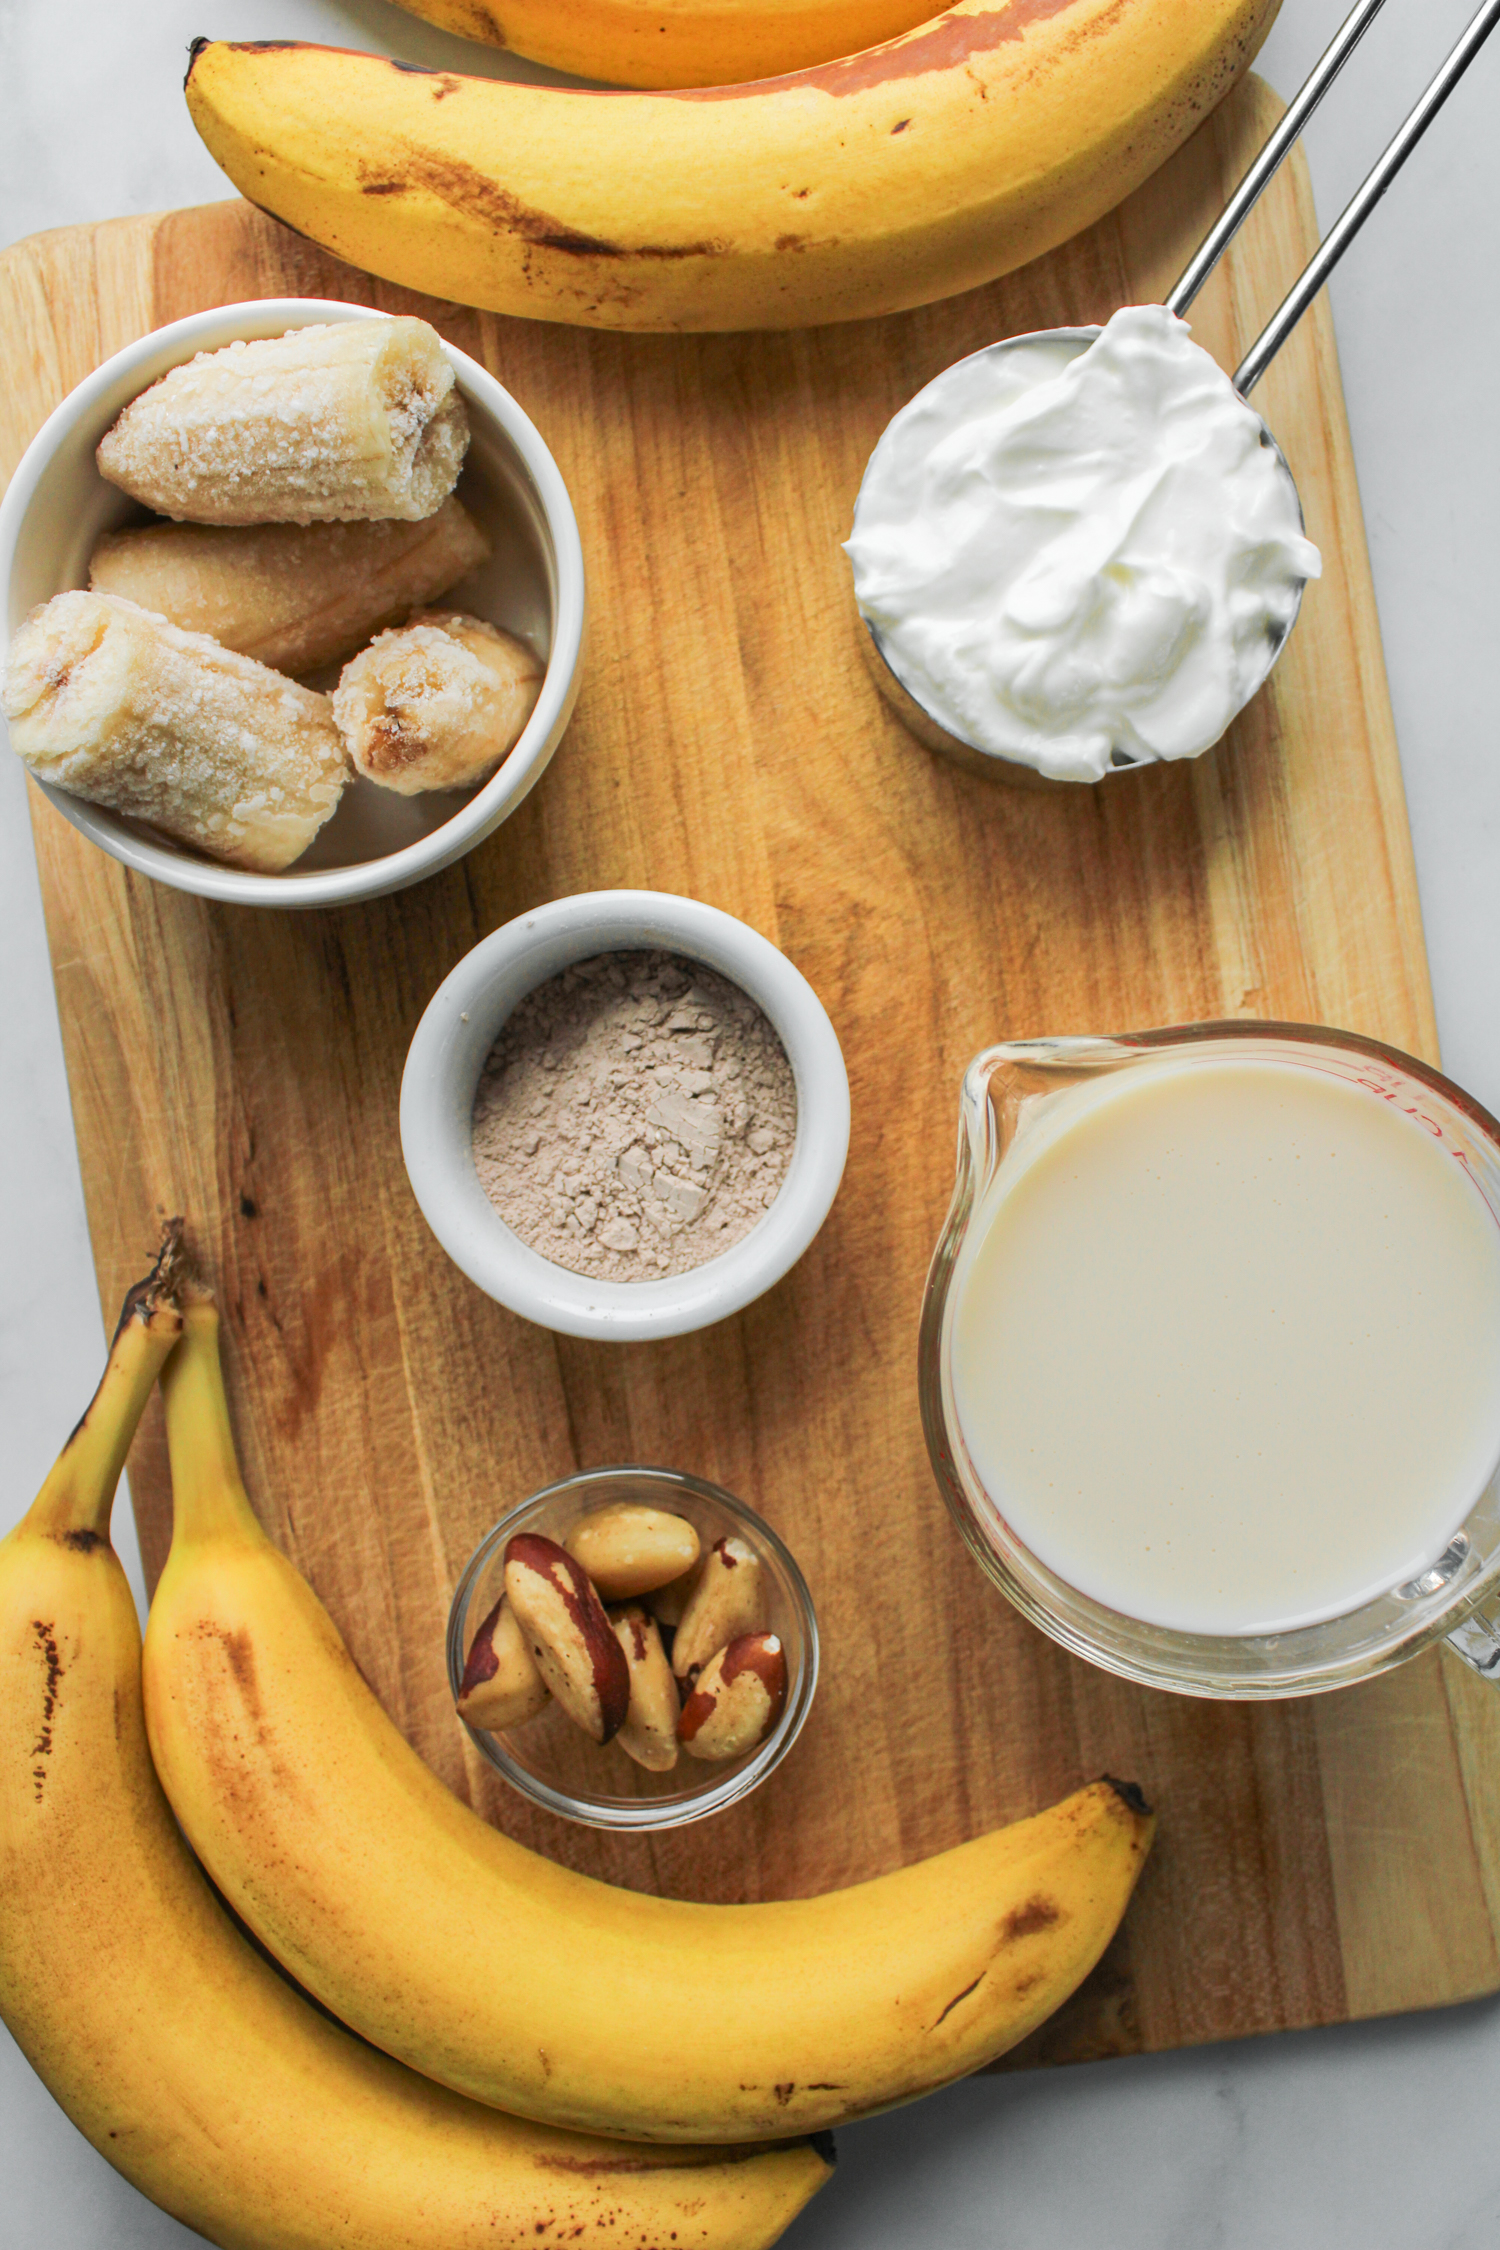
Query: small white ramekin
[57, 505]
[460, 1026]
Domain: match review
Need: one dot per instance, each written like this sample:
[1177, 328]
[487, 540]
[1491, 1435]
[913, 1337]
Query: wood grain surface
[1318, 1860]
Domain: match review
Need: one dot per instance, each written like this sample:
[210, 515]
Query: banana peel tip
[1131, 1794]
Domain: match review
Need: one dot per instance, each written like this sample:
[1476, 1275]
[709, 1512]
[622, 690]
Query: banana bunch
[186, 2060]
[892, 177]
[521, 1983]
[213, 2085]
[676, 42]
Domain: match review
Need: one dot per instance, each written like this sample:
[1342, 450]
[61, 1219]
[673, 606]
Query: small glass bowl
[552, 1761]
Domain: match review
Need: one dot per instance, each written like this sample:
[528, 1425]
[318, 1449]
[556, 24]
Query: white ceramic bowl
[58, 504]
[448, 1053]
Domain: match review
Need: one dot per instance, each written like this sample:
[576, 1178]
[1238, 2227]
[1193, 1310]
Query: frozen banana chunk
[126, 710]
[291, 595]
[437, 704]
[341, 423]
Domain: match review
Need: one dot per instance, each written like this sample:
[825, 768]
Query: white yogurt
[1079, 558]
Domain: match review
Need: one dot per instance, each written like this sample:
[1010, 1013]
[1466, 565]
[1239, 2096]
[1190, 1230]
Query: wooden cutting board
[1318, 1860]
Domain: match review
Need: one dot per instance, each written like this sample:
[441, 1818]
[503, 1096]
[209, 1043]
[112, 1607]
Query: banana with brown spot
[521, 1982]
[887, 179]
[181, 2054]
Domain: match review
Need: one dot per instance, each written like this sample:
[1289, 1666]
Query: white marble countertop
[1382, 2133]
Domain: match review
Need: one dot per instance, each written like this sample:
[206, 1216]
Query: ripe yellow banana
[533, 1987]
[182, 2055]
[676, 42]
[887, 179]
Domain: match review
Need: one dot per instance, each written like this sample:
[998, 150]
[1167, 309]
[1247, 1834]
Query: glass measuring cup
[1008, 1091]
[1047, 350]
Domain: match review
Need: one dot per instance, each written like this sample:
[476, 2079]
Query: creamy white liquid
[1225, 1344]
[1078, 558]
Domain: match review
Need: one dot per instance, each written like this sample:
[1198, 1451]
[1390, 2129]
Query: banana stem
[79, 1491]
[208, 1499]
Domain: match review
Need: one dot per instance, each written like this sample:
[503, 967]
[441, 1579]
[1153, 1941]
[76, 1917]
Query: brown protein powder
[635, 1117]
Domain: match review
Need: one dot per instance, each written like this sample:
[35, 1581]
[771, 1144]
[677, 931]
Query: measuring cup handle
[1355, 212]
[1477, 1640]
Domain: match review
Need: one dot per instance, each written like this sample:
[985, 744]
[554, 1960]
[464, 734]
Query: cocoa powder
[635, 1117]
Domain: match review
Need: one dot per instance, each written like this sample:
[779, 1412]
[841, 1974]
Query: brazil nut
[629, 1550]
[501, 1686]
[739, 1696]
[728, 1600]
[649, 1734]
[568, 1633]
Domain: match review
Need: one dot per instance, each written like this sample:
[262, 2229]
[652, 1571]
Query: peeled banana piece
[293, 596]
[520, 1982]
[436, 703]
[886, 179]
[212, 749]
[186, 2060]
[340, 422]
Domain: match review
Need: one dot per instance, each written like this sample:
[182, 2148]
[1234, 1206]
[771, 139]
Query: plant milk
[1225, 1344]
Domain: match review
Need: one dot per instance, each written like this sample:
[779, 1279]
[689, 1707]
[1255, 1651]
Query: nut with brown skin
[728, 1600]
[649, 1734]
[501, 1686]
[568, 1633]
[738, 1699]
[629, 1550]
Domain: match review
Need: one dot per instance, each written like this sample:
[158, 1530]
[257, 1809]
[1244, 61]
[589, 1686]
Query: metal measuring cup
[1070, 342]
